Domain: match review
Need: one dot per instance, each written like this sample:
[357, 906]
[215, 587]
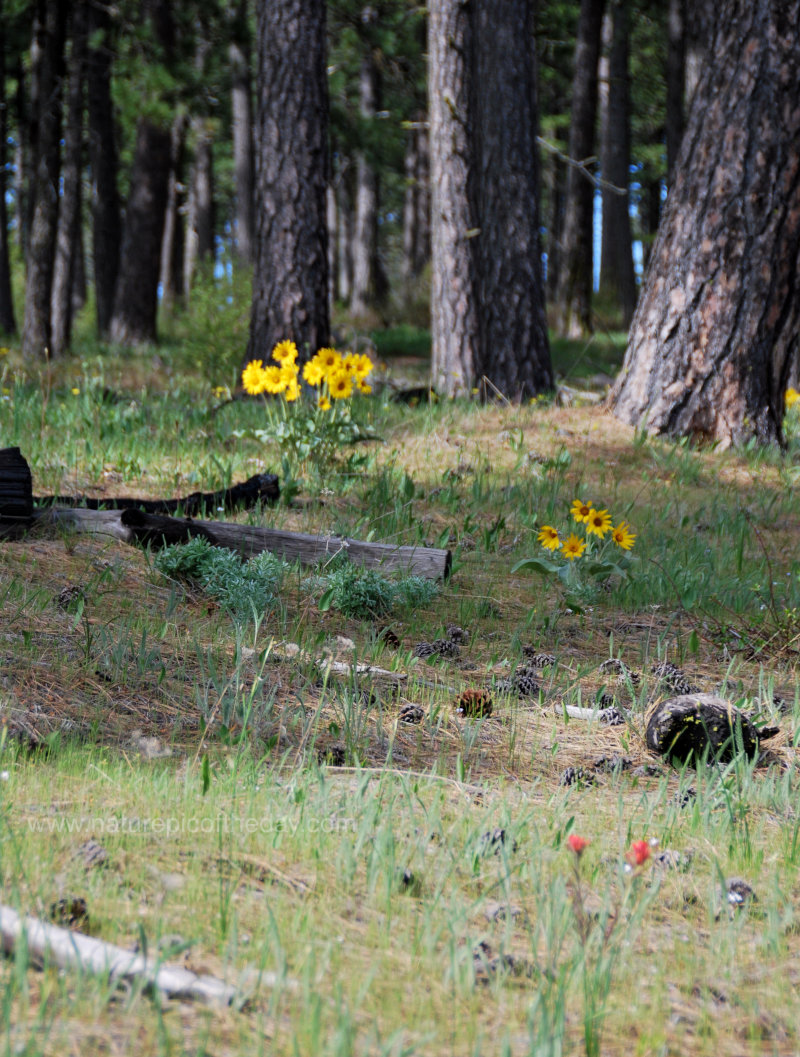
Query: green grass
[275, 813]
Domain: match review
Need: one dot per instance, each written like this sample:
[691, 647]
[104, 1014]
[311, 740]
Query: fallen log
[47, 943]
[262, 487]
[134, 526]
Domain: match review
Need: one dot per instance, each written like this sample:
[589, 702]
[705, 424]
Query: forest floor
[398, 871]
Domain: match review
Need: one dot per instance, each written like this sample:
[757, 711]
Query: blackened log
[16, 495]
[263, 487]
[694, 727]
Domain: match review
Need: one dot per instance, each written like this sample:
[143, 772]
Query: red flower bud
[576, 843]
[639, 853]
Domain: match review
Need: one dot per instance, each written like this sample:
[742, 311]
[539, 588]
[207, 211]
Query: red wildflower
[639, 853]
[576, 843]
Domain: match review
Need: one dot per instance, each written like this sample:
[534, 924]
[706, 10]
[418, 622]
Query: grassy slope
[315, 891]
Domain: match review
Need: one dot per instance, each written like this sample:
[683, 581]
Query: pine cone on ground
[474, 702]
[536, 659]
[674, 678]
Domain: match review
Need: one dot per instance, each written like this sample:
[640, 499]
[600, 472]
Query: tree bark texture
[69, 213]
[487, 294]
[573, 303]
[365, 237]
[717, 324]
[617, 279]
[242, 120]
[103, 160]
[556, 183]
[136, 297]
[8, 325]
[290, 283]
[22, 159]
[48, 63]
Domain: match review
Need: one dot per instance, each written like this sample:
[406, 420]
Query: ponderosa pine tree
[7, 321]
[290, 282]
[487, 296]
[716, 328]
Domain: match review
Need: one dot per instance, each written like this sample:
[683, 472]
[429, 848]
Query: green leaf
[537, 565]
[326, 600]
[693, 646]
[205, 774]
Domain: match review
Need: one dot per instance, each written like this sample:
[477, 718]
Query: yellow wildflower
[292, 389]
[273, 382]
[285, 352]
[340, 385]
[622, 535]
[329, 360]
[573, 547]
[598, 523]
[792, 396]
[581, 511]
[313, 372]
[324, 403]
[75, 391]
[363, 387]
[253, 377]
[548, 537]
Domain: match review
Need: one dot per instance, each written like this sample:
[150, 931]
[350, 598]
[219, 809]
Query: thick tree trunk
[242, 114]
[365, 237]
[173, 239]
[78, 270]
[332, 222]
[716, 329]
[8, 325]
[676, 80]
[69, 215]
[106, 213]
[573, 303]
[617, 280]
[290, 284]
[700, 17]
[136, 298]
[487, 295]
[48, 63]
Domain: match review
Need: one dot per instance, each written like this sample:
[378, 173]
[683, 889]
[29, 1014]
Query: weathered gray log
[693, 727]
[134, 526]
[73, 950]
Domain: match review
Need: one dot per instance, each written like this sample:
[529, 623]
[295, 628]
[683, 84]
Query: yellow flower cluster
[595, 522]
[792, 396]
[336, 375]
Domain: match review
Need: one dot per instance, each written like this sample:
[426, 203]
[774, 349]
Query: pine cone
[456, 634]
[674, 678]
[538, 660]
[474, 703]
[385, 634]
[411, 714]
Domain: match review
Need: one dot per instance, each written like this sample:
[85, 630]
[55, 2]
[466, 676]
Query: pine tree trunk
[416, 203]
[200, 214]
[345, 223]
[555, 226]
[573, 303]
[69, 215]
[8, 325]
[715, 331]
[106, 213]
[617, 280]
[676, 79]
[331, 222]
[365, 236]
[172, 242]
[242, 115]
[290, 283]
[79, 271]
[22, 160]
[48, 62]
[136, 298]
[487, 294]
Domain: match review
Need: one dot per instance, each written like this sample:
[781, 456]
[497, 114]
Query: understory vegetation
[294, 778]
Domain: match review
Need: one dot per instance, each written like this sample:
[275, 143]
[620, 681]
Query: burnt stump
[694, 727]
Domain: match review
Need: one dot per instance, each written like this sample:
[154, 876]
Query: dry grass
[379, 966]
